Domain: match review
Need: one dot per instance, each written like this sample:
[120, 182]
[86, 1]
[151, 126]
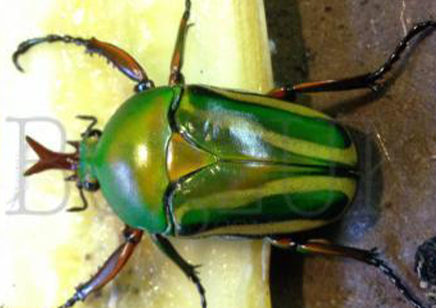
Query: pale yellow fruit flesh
[43, 257]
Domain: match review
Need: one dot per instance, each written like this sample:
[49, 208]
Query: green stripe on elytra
[312, 129]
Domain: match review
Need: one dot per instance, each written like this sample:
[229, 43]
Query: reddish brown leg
[369, 257]
[176, 76]
[358, 82]
[118, 57]
[110, 269]
[289, 92]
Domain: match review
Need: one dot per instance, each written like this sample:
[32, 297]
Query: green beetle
[300, 176]
[193, 161]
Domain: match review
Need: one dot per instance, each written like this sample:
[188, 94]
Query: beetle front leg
[369, 257]
[110, 269]
[176, 76]
[369, 80]
[118, 57]
[190, 270]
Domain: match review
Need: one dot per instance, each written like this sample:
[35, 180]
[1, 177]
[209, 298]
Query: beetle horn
[52, 160]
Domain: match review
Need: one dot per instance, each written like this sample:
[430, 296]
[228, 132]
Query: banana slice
[46, 252]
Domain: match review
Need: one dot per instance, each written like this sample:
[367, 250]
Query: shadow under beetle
[192, 161]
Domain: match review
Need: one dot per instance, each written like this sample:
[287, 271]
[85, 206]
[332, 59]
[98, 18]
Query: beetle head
[80, 161]
[85, 177]
[76, 162]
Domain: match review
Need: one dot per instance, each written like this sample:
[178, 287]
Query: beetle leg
[370, 257]
[369, 80]
[176, 76]
[110, 269]
[190, 270]
[118, 57]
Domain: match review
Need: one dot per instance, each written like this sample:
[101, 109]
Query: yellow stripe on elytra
[306, 148]
[239, 198]
[271, 102]
[293, 145]
[266, 228]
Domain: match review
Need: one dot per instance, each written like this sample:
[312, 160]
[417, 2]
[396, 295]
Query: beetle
[194, 161]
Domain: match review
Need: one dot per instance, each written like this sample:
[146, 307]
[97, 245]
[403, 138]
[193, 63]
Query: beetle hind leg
[110, 269]
[118, 57]
[370, 257]
[369, 80]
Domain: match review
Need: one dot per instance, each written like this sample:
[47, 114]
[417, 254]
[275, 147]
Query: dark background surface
[395, 209]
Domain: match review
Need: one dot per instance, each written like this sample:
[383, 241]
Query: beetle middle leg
[190, 270]
[368, 80]
[110, 269]
[115, 55]
[176, 76]
[369, 257]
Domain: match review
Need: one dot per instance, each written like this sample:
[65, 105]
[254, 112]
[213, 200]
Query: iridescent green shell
[194, 161]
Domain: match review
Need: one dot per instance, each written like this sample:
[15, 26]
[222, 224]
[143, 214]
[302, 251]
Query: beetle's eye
[91, 186]
[143, 86]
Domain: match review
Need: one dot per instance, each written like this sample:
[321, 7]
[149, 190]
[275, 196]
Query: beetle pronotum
[192, 161]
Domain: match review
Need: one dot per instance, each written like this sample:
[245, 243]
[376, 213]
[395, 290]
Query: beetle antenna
[84, 203]
[90, 126]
